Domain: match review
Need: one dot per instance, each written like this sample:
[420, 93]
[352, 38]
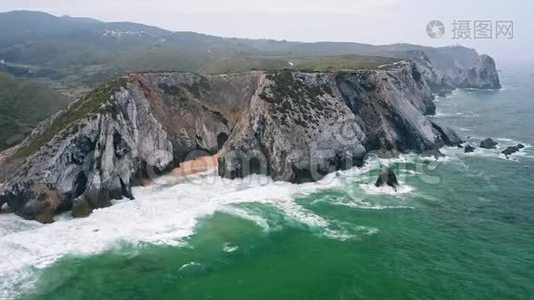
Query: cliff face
[301, 126]
[121, 133]
[448, 68]
[292, 126]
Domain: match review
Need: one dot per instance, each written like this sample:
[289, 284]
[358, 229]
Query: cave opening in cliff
[254, 166]
[221, 139]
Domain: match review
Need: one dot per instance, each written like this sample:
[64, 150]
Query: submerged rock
[488, 144]
[468, 148]
[387, 177]
[512, 149]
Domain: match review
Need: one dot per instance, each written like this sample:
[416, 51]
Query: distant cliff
[448, 68]
[290, 125]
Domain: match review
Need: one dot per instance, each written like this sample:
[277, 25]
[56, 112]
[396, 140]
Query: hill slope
[23, 105]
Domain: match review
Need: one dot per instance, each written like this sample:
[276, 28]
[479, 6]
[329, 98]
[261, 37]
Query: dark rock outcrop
[488, 144]
[387, 177]
[469, 149]
[512, 149]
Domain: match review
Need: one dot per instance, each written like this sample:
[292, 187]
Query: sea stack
[387, 177]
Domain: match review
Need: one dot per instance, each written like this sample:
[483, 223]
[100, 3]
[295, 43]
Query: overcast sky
[367, 21]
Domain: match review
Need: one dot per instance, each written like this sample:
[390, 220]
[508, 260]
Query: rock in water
[488, 144]
[80, 208]
[512, 149]
[387, 177]
[469, 149]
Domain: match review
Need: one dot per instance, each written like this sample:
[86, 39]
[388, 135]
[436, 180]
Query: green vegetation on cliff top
[23, 104]
[84, 107]
[290, 95]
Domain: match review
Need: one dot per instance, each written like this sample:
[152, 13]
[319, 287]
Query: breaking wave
[165, 213]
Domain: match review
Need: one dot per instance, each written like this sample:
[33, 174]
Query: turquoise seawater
[461, 227]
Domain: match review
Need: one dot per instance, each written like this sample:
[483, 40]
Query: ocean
[460, 227]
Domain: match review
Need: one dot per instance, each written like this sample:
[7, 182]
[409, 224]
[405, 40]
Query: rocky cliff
[301, 126]
[448, 68]
[119, 134]
[290, 125]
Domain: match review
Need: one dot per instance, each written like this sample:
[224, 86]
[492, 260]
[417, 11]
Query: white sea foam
[164, 213]
[464, 129]
[401, 190]
[456, 115]
[189, 265]
[167, 213]
[365, 205]
[229, 248]
[442, 114]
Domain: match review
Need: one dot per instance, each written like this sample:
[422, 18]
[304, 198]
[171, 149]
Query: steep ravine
[292, 126]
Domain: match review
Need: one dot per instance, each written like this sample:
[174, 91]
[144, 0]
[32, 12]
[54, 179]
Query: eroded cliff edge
[290, 125]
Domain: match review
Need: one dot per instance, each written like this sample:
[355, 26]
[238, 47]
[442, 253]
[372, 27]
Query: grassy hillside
[344, 62]
[23, 104]
[304, 63]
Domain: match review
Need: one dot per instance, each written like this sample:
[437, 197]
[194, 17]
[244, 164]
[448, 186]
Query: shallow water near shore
[460, 227]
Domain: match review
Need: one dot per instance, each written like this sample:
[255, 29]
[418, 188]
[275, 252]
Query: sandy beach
[195, 166]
